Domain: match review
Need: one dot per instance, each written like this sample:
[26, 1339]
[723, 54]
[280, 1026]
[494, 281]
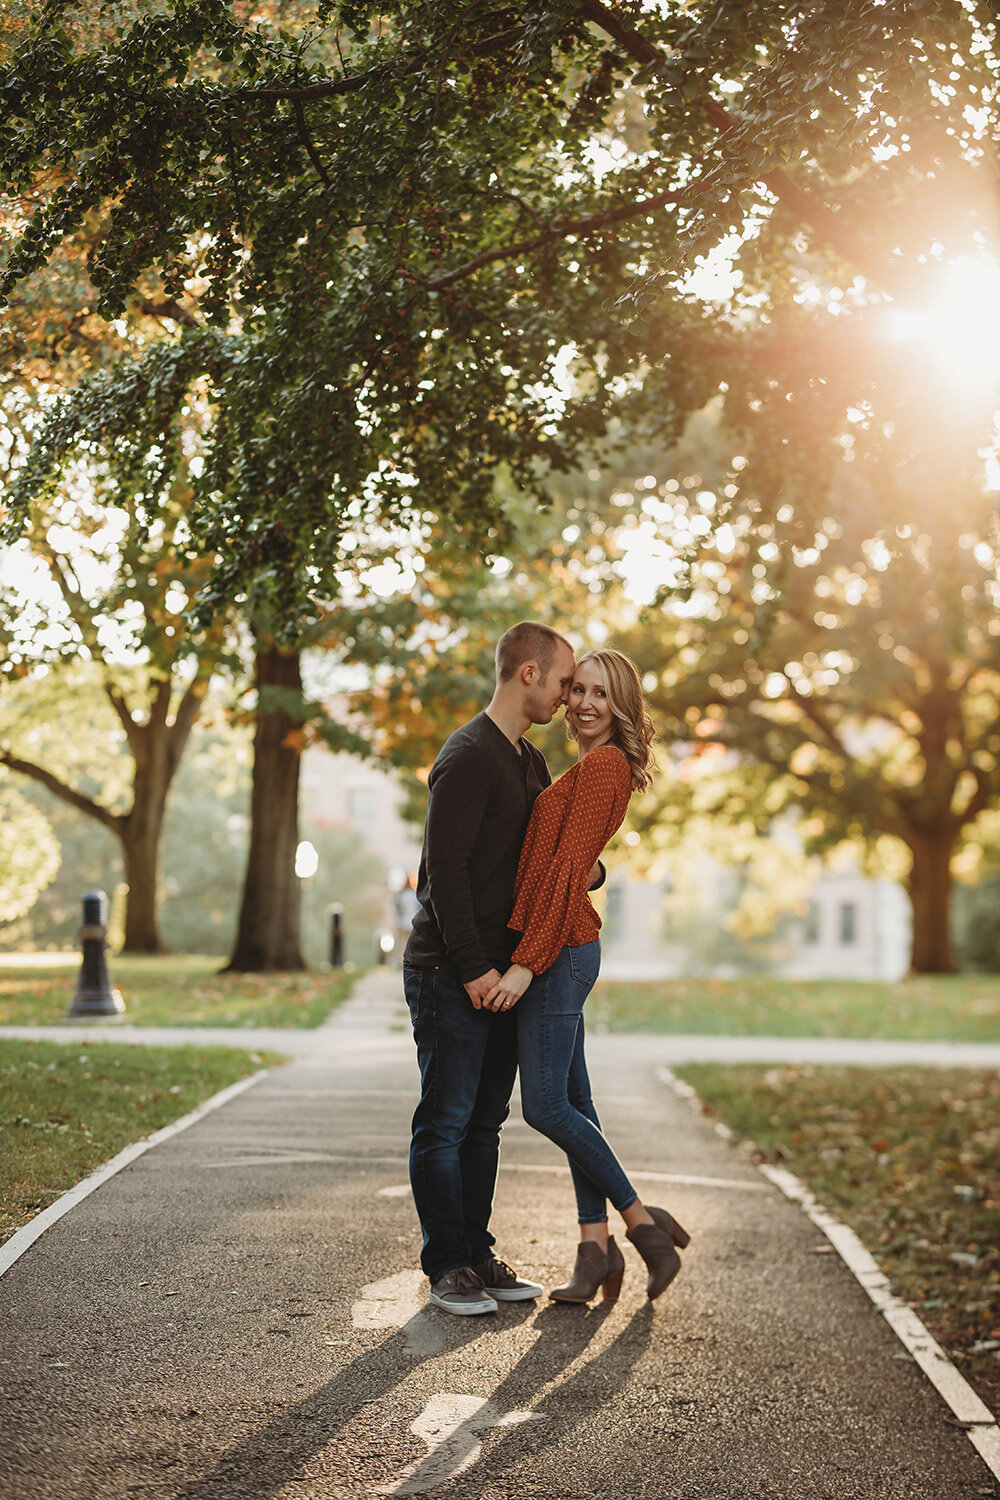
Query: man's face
[549, 692]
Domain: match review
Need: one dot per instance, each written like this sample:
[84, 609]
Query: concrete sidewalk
[377, 1008]
[238, 1315]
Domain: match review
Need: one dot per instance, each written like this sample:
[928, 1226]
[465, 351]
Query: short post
[384, 944]
[336, 915]
[94, 995]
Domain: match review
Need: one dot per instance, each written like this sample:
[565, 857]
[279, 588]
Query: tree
[111, 590]
[29, 855]
[412, 226]
[390, 278]
[267, 933]
[852, 665]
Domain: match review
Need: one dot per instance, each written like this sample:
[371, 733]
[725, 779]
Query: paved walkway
[237, 1315]
[377, 1007]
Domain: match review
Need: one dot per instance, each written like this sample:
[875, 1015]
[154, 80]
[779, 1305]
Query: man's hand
[508, 991]
[476, 989]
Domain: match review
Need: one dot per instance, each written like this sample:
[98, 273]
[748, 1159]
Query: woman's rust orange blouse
[571, 822]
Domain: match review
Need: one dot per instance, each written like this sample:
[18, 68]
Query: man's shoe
[461, 1291]
[503, 1283]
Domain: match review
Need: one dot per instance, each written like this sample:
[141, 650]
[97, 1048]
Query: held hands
[508, 991]
[476, 989]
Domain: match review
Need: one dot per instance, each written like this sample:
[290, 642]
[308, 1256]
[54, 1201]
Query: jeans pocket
[413, 983]
[585, 963]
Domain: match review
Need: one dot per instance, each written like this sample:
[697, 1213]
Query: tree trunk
[930, 897]
[141, 837]
[268, 935]
[157, 747]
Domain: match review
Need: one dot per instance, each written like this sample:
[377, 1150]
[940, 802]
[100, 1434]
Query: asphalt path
[238, 1314]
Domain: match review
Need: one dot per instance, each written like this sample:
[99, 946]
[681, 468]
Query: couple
[501, 957]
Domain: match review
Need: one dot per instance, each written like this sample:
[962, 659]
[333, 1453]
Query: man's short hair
[528, 641]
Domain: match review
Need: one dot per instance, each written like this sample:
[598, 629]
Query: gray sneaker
[503, 1283]
[462, 1291]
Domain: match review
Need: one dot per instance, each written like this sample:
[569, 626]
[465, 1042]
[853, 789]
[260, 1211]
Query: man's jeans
[468, 1061]
[555, 1088]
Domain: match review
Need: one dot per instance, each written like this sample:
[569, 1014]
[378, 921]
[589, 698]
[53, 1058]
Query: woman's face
[588, 708]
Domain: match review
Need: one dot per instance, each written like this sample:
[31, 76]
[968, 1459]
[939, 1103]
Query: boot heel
[612, 1284]
[611, 1288]
[666, 1221]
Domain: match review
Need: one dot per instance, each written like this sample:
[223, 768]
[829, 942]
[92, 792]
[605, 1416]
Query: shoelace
[467, 1281]
[501, 1271]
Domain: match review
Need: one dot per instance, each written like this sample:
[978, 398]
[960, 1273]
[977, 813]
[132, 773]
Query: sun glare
[959, 332]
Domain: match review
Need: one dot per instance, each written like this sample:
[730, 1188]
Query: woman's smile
[589, 710]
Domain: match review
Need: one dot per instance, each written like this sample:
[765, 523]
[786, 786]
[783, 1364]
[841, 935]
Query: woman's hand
[510, 989]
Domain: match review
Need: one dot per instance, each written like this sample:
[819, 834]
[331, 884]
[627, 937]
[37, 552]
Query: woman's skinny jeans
[555, 1089]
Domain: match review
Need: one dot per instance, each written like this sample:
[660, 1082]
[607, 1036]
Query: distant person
[405, 908]
[556, 962]
[482, 787]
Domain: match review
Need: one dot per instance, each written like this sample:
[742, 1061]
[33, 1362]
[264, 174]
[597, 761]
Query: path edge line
[981, 1427]
[22, 1239]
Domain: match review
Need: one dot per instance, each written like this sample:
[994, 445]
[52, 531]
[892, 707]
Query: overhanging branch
[314, 157]
[114, 821]
[590, 224]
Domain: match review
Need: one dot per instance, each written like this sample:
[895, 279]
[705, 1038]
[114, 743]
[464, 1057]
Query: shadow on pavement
[586, 1392]
[267, 1460]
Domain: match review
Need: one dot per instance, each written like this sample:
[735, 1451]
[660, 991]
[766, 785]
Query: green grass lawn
[170, 990]
[910, 1159]
[67, 1107]
[933, 1008]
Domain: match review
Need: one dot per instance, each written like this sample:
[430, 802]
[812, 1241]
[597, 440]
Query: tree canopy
[385, 233]
[404, 260]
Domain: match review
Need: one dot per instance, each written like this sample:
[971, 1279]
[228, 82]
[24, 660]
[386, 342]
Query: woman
[571, 822]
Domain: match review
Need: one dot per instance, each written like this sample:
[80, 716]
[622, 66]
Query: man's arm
[597, 877]
[461, 786]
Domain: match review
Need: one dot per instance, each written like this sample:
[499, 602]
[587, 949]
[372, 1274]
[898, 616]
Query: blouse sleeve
[547, 905]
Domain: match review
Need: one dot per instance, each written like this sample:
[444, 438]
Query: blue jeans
[468, 1061]
[555, 1089]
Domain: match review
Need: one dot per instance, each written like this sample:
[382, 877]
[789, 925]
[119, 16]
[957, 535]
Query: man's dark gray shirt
[481, 795]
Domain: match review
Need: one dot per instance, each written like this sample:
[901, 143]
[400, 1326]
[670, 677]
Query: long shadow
[267, 1459]
[263, 1463]
[593, 1386]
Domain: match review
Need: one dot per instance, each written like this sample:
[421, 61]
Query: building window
[848, 923]
[811, 923]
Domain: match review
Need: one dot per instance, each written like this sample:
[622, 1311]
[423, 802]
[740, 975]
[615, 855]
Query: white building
[345, 791]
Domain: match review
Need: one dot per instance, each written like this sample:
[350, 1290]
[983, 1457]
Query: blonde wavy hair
[632, 730]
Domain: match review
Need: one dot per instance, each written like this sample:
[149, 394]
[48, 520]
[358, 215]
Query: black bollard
[94, 995]
[336, 915]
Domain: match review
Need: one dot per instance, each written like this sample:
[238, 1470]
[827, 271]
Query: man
[482, 788]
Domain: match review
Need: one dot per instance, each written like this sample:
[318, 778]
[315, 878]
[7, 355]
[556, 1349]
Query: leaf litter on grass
[910, 1159]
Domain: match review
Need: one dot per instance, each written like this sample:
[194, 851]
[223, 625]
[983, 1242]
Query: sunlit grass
[171, 990]
[931, 1007]
[67, 1107]
[910, 1159]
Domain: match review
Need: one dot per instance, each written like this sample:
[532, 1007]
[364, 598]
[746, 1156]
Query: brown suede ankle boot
[593, 1269]
[658, 1250]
